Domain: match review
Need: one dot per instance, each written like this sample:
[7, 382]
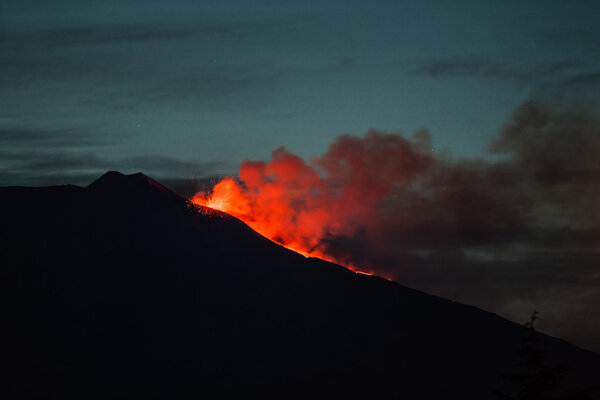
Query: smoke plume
[385, 197]
[519, 223]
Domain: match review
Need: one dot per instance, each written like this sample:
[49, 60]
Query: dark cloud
[124, 68]
[484, 67]
[41, 168]
[52, 155]
[471, 66]
[130, 67]
[540, 198]
[510, 236]
[554, 163]
[81, 168]
[30, 137]
[90, 35]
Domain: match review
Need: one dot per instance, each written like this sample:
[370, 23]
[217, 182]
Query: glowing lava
[329, 205]
[229, 197]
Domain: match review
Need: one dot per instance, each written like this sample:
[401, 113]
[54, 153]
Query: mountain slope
[122, 290]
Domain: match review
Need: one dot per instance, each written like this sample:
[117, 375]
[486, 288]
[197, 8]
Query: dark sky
[191, 88]
[186, 90]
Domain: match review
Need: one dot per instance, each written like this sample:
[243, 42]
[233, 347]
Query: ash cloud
[512, 234]
[544, 188]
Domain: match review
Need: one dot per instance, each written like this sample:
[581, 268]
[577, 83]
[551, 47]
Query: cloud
[52, 155]
[563, 74]
[208, 65]
[107, 34]
[57, 167]
[525, 226]
[470, 66]
[28, 137]
[542, 195]
[554, 163]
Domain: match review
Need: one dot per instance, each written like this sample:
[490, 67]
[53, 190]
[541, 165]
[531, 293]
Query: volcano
[123, 289]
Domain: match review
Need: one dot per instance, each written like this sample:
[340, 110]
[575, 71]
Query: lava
[227, 196]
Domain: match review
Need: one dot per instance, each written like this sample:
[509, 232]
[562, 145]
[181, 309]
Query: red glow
[227, 196]
[301, 205]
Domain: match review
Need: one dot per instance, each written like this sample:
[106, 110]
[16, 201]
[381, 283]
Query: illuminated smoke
[382, 201]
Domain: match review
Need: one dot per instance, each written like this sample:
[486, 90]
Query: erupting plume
[383, 203]
[304, 205]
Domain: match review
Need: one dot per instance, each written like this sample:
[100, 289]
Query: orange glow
[228, 197]
[269, 220]
[330, 206]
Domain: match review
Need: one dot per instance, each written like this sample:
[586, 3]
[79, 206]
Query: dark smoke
[511, 235]
[516, 231]
[543, 192]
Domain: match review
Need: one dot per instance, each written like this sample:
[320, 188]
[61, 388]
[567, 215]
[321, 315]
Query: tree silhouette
[539, 378]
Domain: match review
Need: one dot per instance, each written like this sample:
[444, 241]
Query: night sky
[184, 91]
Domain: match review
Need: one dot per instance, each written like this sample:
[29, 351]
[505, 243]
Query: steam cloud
[520, 225]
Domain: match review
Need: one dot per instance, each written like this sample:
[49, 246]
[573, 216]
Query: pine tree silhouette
[539, 379]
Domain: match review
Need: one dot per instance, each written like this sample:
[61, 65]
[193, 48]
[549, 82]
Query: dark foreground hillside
[121, 290]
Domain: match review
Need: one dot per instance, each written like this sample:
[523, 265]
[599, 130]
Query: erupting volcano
[104, 302]
[229, 196]
[306, 207]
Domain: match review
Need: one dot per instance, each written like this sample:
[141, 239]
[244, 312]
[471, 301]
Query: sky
[185, 91]
[189, 89]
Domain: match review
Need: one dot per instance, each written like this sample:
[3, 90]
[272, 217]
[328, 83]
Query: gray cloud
[81, 168]
[509, 236]
[30, 137]
[146, 32]
[484, 67]
[130, 67]
[541, 195]
[566, 79]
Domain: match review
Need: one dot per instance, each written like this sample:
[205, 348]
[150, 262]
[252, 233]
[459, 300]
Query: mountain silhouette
[125, 290]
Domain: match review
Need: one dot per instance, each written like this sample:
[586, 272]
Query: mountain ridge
[164, 296]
